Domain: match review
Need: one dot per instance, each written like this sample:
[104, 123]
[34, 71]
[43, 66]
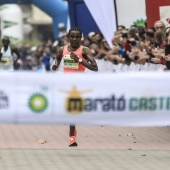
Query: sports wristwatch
[80, 60]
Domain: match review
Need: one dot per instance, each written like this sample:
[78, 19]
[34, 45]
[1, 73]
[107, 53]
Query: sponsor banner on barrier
[7, 97]
[133, 99]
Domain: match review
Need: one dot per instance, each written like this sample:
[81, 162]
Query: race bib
[5, 61]
[70, 63]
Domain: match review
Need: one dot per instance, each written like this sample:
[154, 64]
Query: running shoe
[72, 141]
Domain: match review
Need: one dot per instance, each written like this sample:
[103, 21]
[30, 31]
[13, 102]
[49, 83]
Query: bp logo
[38, 103]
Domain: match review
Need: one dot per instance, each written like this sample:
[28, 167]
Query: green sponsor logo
[7, 24]
[38, 103]
[2, 7]
[140, 22]
[149, 104]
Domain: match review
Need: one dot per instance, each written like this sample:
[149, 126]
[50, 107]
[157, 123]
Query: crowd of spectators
[133, 45]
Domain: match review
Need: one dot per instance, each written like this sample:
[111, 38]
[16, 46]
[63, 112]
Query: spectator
[47, 59]
[8, 62]
[159, 25]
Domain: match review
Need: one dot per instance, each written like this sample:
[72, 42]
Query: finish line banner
[122, 99]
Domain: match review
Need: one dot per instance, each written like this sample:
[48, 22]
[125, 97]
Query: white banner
[133, 99]
[105, 16]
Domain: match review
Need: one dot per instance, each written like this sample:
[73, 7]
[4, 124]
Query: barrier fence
[110, 67]
[107, 66]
